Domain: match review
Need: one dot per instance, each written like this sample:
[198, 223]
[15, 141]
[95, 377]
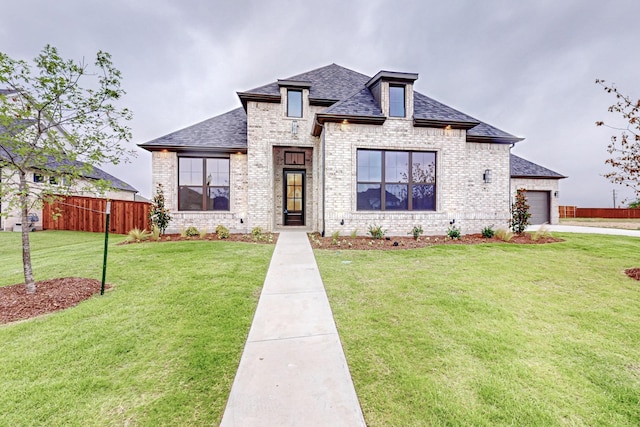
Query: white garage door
[539, 207]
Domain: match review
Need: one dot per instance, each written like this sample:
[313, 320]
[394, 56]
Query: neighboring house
[120, 190]
[335, 150]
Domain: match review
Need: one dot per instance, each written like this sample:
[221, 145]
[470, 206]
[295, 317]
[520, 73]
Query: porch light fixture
[342, 222]
[556, 194]
[487, 176]
[294, 127]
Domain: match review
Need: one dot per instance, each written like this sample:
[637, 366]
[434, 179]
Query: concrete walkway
[293, 371]
[586, 230]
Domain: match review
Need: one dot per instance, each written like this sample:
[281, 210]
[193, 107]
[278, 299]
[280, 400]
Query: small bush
[453, 231]
[540, 233]
[416, 231]
[222, 232]
[354, 233]
[191, 232]
[155, 233]
[376, 231]
[203, 233]
[336, 237]
[137, 235]
[256, 231]
[503, 234]
[488, 232]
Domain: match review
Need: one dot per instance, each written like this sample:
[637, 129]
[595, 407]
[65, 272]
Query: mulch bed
[634, 273]
[248, 238]
[51, 295]
[407, 242]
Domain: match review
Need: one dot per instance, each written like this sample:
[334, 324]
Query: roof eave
[322, 118]
[322, 102]
[258, 97]
[419, 122]
[494, 139]
[182, 149]
[539, 176]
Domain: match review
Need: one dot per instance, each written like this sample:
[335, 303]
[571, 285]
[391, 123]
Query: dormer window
[396, 101]
[294, 103]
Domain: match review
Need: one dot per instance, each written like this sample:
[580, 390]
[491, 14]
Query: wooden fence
[87, 214]
[575, 212]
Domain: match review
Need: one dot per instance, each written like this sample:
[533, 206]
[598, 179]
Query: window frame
[204, 186]
[289, 105]
[411, 182]
[404, 100]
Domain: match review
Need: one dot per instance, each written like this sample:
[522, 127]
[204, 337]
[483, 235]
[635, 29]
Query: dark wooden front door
[294, 197]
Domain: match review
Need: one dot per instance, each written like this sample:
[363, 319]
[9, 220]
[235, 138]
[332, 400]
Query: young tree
[625, 147]
[520, 212]
[159, 214]
[60, 119]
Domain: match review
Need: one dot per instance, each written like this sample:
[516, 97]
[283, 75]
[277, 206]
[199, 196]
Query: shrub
[540, 233]
[222, 232]
[203, 233]
[191, 232]
[453, 231]
[504, 234]
[159, 214]
[416, 231]
[336, 237]
[376, 231]
[256, 231]
[137, 235]
[519, 212]
[488, 232]
[155, 232]
[354, 233]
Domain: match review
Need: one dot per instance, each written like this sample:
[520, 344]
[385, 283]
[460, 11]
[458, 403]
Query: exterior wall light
[556, 194]
[294, 127]
[487, 176]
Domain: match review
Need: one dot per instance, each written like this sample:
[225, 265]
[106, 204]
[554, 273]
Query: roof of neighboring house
[227, 131]
[347, 97]
[521, 168]
[96, 173]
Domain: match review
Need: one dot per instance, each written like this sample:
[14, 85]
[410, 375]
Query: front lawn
[495, 334]
[160, 348]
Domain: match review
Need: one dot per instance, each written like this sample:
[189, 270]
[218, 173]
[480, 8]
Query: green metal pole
[106, 241]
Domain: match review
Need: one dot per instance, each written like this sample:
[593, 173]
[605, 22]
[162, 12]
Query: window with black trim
[203, 184]
[294, 103]
[38, 177]
[396, 101]
[385, 181]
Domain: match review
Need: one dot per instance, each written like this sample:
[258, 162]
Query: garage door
[539, 207]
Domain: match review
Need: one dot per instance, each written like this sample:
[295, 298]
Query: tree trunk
[29, 281]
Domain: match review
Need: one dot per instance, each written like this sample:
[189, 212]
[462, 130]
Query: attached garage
[539, 206]
[542, 189]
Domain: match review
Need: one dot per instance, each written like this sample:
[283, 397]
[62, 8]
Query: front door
[294, 197]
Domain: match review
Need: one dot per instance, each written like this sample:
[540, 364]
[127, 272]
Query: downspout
[323, 179]
[510, 147]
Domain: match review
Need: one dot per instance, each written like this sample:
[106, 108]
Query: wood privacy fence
[87, 214]
[575, 212]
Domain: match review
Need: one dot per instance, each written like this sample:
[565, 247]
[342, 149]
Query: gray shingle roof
[332, 82]
[226, 131]
[521, 168]
[6, 91]
[95, 173]
[345, 89]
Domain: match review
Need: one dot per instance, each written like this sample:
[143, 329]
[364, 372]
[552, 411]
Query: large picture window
[396, 180]
[203, 184]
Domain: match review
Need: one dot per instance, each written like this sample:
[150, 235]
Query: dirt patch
[634, 273]
[51, 295]
[401, 242]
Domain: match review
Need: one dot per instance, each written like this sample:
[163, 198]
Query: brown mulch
[213, 237]
[51, 295]
[634, 273]
[402, 242]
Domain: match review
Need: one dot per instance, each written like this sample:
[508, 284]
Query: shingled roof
[347, 97]
[521, 168]
[226, 132]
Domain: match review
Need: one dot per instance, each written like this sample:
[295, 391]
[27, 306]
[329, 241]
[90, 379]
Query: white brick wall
[550, 185]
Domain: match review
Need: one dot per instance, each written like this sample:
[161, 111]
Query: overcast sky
[527, 67]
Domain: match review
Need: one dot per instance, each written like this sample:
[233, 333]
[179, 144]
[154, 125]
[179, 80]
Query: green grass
[160, 348]
[496, 334]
